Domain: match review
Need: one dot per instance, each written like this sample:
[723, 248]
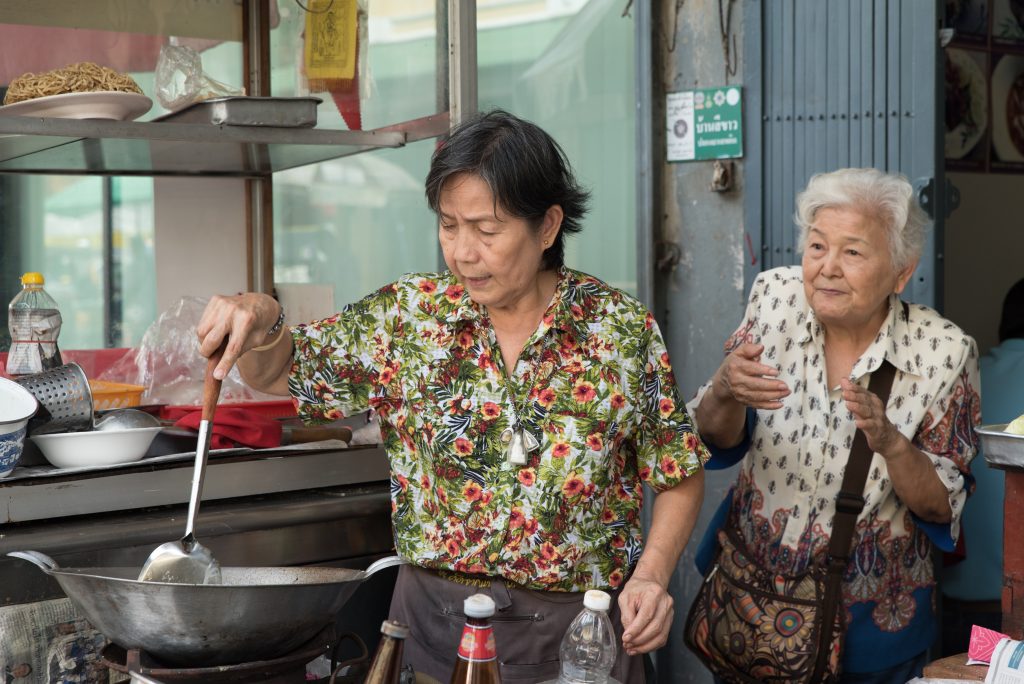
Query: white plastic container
[99, 448]
[17, 405]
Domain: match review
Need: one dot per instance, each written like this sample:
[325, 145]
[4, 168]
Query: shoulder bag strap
[849, 504]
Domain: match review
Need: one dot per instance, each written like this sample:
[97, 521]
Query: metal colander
[65, 399]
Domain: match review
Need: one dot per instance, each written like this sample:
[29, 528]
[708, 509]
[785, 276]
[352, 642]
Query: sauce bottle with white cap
[477, 662]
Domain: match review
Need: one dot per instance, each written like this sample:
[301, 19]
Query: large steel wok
[255, 614]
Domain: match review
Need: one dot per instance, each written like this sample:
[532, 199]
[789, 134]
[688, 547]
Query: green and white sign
[705, 124]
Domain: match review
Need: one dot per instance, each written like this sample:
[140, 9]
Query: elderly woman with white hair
[792, 393]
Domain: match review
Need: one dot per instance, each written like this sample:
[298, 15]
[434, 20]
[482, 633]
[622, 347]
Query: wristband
[274, 330]
[277, 324]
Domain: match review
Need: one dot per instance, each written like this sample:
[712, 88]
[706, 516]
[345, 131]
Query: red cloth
[233, 427]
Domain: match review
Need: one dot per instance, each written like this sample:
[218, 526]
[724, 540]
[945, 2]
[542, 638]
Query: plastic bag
[168, 364]
[180, 80]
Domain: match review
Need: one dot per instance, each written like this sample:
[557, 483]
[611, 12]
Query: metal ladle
[186, 561]
[125, 419]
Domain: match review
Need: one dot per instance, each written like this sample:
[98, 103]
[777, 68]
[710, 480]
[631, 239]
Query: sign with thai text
[704, 124]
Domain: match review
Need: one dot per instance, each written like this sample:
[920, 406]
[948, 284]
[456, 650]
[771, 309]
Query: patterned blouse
[785, 494]
[593, 384]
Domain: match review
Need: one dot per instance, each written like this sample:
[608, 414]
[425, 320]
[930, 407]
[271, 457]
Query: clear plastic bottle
[588, 648]
[34, 322]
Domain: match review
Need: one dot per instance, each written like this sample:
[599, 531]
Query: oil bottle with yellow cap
[34, 321]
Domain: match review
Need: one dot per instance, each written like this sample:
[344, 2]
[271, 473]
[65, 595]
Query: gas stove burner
[287, 669]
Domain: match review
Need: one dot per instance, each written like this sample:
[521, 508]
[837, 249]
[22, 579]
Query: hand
[243, 320]
[646, 610]
[746, 380]
[869, 414]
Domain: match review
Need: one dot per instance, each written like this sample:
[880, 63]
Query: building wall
[700, 301]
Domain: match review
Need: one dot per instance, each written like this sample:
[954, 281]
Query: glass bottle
[477, 661]
[588, 648]
[34, 323]
[386, 667]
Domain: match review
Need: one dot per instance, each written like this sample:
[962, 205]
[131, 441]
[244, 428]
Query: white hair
[884, 197]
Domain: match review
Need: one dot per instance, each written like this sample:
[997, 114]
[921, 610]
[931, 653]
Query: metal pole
[462, 76]
[644, 77]
[256, 29]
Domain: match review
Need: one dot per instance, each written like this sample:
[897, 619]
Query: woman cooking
[523, 406]
[791, 392]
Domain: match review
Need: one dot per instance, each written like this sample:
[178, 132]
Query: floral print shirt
[785, 494]
[593, 384]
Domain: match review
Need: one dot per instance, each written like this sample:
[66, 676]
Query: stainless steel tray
[1001, 449]
[284, 112]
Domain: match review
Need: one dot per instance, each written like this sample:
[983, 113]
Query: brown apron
[528, 625]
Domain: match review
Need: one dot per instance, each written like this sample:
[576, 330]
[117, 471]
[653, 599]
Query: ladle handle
[211, 393]
[211, 385]
[45, 563]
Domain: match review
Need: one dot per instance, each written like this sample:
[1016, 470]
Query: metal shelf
[129, 148]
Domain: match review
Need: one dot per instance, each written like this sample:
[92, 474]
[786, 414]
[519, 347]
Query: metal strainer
[65, 399]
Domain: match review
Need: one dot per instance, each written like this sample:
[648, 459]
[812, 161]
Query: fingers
[751, 382]
[650, 622]
[236, 324]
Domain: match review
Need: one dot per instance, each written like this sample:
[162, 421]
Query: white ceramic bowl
[98, 448]
[17, 405]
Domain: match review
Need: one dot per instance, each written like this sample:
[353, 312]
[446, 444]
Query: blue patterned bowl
[17, 405]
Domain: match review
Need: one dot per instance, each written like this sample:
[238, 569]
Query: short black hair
[1011, 323]
[526, 170]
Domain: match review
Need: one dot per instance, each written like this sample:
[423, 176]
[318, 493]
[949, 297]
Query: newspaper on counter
[1007, 666]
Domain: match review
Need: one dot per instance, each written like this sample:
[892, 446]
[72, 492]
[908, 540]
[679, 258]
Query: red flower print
[594, 441]
[471, 491]
[490, 410]
[442, 495]
[669, 466]
[583, 392]
[516, 519]
[691, 441]
[403, 482]
[486, 497]
[607, 516]
[386, 375]
[531, 526]
[454, 293]
[527, 477]
[333, 414]
[548, 551]
[666, 406]
[546, 397]
[573, 486]
[615, 578]
[452, 547]
[465, 339]
[425, 482]
[428, 286]
[463, 446]
[577, 311]
[663, 359]
[618, 542]
[645, 473]
[649, 320]
[618, 401]
[560, 450]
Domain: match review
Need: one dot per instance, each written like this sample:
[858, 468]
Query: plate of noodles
[78, 91]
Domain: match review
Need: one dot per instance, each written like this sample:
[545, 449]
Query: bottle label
[477, 644]
[33, 340]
